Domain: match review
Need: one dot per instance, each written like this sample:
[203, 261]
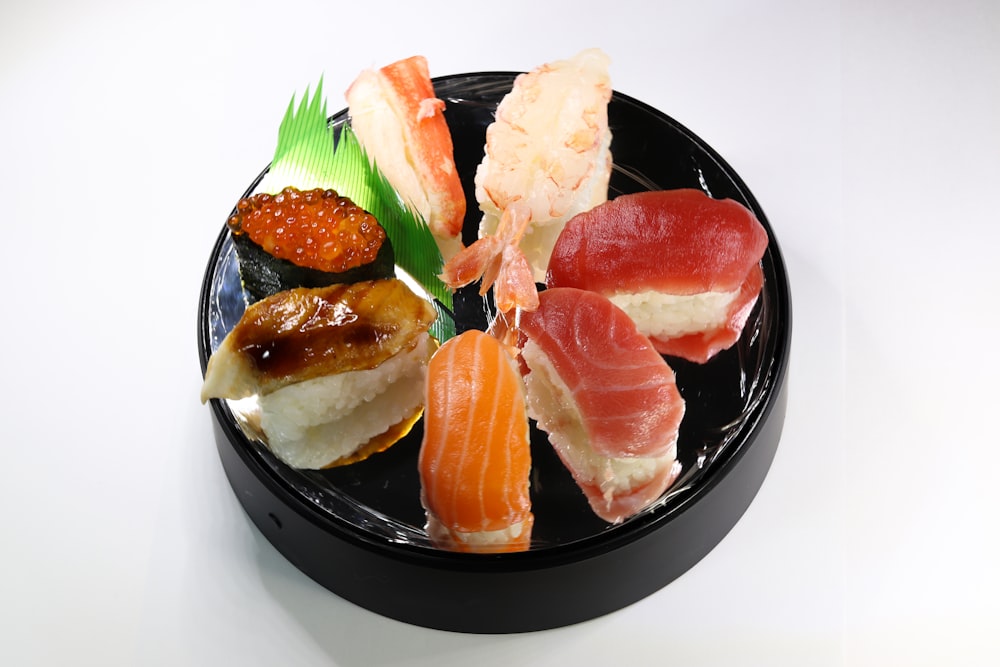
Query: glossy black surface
[358, 530]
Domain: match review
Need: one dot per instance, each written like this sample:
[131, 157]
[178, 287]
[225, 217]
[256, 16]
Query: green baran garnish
[313, 154]
[305, 153]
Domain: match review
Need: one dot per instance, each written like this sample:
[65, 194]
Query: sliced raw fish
[475, 456]
[606, 398]
[684, 266]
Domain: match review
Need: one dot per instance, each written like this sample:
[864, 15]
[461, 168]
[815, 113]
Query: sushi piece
[399, 122]
[684, 266]
[310, 238]
[607, 400]
[338, 371]
[475, 459]
[549, 149]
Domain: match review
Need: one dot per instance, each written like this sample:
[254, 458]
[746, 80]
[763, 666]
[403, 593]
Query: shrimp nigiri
[475, 459]
[548, 149]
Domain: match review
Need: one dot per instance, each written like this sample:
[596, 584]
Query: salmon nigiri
[608, 401]
[475, 459]
[684, 266]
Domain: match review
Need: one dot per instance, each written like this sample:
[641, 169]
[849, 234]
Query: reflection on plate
[373, 507]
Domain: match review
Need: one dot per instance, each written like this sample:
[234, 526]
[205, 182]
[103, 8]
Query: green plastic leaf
[304, 156]
[412, 240]
[417, 253]
[312, 154]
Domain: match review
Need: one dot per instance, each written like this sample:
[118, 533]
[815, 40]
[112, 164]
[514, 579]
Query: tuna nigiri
[608, 401]
[684, 266]
[475, 459]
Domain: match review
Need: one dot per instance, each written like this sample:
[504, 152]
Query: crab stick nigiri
[400, 122]
[684, 266]
[606, 398]
[475, 460]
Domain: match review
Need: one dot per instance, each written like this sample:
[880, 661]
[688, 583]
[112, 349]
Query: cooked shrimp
[549, 149]
[499, 262]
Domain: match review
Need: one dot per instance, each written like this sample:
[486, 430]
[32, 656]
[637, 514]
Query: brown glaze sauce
[306, 333]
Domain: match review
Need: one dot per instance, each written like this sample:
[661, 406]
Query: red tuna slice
[678, 242]
[624, 392]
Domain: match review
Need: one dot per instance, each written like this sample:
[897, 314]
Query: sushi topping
[677, 241]
[318, 229]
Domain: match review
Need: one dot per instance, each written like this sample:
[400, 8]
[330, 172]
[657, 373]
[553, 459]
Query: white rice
[483, 541]
[664, 316]
[313, 423]
[552, 405]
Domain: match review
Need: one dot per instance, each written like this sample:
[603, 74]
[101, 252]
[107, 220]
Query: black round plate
[359, 530]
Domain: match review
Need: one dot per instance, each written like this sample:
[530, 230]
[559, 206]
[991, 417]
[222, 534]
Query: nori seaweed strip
[263, 274]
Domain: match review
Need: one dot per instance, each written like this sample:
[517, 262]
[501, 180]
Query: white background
[867, 130]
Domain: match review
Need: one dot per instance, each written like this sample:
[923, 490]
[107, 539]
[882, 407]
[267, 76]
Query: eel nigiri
[684, 266]
[607, 400]
[475, 457]
[338, 371]
[549, 150]
[401, 125]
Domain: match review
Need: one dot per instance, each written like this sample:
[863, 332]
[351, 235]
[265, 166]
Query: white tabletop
[867, 130]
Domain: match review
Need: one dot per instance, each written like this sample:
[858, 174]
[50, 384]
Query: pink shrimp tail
[499, 262]
[472, 263]
[515, 282]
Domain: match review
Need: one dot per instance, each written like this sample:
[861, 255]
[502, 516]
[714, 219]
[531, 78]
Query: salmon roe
[318, 229]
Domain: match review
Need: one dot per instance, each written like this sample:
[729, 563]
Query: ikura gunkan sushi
[608, 401]
[684, 266]
[475, 457]
[338, 371]
[310, 238]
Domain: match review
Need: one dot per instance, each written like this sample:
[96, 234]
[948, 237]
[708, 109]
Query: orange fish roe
[318, 229]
